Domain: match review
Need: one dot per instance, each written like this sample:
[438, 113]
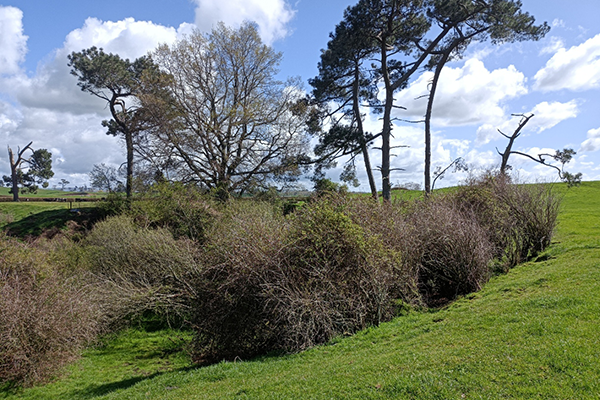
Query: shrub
[138, 269]
[306, 279]
[451, 250]
[230, 316]
[337, 278]
[183, 210]
[518, 219]
[46, 317]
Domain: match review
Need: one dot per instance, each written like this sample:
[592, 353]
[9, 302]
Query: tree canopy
[117, 81]
[220, 116]
[28, 172]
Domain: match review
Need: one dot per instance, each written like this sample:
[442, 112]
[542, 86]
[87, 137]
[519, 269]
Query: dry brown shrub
[272, 283]
[137, 270]
[451, 250]
[46, 317]
[519, 219]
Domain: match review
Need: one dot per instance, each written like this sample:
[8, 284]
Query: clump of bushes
[519, 220]
[181, 209]
[250, 278]
[275, 283]
[138, 270]
[46, 315]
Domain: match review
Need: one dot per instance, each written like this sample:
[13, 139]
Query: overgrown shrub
[183, 210]
[337, 277]
[46, 317]
[452, 251]
[275, 283]
[230, 316]
[138, 269]
[519, 219]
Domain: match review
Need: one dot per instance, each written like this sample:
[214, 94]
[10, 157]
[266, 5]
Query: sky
[557, 79]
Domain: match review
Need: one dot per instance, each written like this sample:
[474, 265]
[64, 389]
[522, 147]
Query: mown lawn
[532, 333]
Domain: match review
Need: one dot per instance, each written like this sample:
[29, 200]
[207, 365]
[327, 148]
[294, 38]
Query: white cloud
[467, 95]
[271, 16]
[13, 43]
[577, 68]
[554, 45]
[50, 109]
[54, 88]
[592, 143]
[546, 116]
[558, 23]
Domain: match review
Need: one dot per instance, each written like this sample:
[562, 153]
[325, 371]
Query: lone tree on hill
[28, 172]
[117, 81]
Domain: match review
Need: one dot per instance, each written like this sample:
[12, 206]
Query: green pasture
[530, 334]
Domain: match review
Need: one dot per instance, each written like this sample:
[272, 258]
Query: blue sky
[557, 78]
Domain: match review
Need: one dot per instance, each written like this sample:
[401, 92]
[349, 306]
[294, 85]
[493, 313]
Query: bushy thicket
[519, 220]
[249, 279]
[46, 314]
[271, 282]
[137, 270]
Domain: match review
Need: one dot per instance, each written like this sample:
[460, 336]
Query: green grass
[32, 219]
[532, 333]
[50, 193]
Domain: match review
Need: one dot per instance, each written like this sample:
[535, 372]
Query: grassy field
[532, 333]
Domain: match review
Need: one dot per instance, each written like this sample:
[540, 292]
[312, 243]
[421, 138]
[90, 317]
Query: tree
[105, 177]
[345, 81]
[63, 183]
[393, 26]
[464, 21]
[28, 172]
[117, 81]
[562, 156]
[221, 117]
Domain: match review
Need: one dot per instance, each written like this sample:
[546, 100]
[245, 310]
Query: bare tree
[222, 118]
[562, 156]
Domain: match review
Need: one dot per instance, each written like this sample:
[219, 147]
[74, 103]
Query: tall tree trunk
[13, 174]
[434, 83]
[129, 183]
[363, 142]
[387, 126]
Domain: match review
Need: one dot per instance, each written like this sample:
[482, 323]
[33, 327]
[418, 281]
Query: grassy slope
[532, 333]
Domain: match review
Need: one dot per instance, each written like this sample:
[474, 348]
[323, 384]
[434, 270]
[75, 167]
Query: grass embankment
[532, 333]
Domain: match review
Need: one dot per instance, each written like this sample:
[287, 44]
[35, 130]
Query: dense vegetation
[247, 280]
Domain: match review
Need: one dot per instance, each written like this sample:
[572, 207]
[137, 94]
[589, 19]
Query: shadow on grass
[52, 222]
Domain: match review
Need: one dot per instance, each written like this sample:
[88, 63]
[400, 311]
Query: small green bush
[183, 210]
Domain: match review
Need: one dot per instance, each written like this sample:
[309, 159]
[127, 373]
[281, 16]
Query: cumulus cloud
[577, 68]
[54, 88]
[592, 143]
[467, 95]
[49, 109]
[546, 116]
[12, 41]
[271, 16]
[554, 44]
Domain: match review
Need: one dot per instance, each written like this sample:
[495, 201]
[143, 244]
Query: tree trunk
[129, 183]
[13, 174]
[434, 83]
[387, 126]
[363, 143]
